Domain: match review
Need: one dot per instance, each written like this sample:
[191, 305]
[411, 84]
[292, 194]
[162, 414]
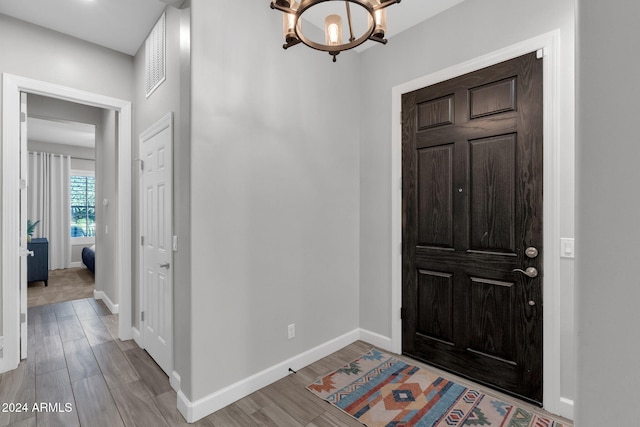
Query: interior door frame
[10, 225]
[548, 45]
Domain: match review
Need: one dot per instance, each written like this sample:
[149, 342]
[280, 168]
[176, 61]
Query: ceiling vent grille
[155, 47]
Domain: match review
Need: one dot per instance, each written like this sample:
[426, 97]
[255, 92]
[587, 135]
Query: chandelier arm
[378, 39]
[385, 4]
[283, 9]
[291, 44]
[351, 37]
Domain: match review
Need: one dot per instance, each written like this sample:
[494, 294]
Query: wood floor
[64, 285]
[75, 359]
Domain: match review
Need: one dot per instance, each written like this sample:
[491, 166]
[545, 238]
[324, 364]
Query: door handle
[165, 265]
[530, 271]
[26, 252]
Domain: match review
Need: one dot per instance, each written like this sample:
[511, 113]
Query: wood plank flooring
[75, 358]
[64, 285]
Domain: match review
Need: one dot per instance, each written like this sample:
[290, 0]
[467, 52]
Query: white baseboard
[136, 336]
[565, 408]
[376, 339]
[75, 264]
[193, 411]
[174, 380]
[113, 308]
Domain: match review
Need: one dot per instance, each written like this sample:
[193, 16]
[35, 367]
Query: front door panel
[472, 204]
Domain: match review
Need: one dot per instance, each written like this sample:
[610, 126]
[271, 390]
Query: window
[83, 204]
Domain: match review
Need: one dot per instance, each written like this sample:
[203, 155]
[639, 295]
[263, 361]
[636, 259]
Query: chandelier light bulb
[333, 30]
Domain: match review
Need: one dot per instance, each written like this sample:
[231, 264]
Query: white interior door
[156, 196]
[23, 225]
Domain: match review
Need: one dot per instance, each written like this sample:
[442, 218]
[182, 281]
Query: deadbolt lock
[531, 252]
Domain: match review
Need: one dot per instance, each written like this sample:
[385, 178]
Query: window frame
[88, 239]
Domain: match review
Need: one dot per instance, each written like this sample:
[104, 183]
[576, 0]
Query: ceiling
[61, 132]
[123, 25]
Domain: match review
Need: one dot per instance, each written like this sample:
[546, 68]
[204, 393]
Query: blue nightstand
[38, 264]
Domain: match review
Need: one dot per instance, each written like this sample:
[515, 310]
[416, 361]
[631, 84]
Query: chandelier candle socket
[368, 22]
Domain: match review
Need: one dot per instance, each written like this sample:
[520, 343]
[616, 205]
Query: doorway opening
[14, 317]
[62, 186]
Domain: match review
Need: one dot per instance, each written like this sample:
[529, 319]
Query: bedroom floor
[64, 285]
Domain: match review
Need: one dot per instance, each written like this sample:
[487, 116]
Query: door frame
[12, 86]
[548, 45]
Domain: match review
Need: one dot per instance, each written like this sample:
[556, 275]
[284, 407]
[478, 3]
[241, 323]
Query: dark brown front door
[472, 206]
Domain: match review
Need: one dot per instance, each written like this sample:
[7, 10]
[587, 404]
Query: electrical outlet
[291, 331]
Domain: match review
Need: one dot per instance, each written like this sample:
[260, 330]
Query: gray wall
[434, 45]
[275, 186]
[107, 216]
[608, 209]
[34, 52]
[169, 97]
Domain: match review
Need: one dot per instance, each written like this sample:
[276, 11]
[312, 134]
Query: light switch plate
[567, 248]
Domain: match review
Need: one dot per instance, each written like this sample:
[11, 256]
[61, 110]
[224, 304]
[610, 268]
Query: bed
[89, 258]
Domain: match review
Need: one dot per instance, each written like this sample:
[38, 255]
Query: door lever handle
[165, 265]
[530, 271]
[26, 252]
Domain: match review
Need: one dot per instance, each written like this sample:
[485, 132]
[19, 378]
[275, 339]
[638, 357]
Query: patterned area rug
[380, 390]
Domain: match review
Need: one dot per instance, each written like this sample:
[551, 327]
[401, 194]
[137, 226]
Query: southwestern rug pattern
[380, 390]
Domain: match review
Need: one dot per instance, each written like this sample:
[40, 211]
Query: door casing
[548, 45]
[10, 220]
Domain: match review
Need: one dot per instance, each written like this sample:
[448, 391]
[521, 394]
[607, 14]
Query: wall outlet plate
[291, 331]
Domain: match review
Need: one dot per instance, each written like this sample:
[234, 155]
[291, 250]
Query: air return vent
[155, 52]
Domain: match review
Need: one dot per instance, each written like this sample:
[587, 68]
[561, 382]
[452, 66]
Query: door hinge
[141, 240]
[23, 117]
[23, 184]
[141, 164]
[540, 53]
[23, 317]
[142, 316]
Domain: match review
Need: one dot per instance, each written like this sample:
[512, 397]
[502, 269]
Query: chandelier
[372, 24]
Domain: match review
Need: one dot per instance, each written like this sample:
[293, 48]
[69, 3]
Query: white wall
[170, 97]
[34, 52]
[608, 208]
[467, 31]
[275, 195]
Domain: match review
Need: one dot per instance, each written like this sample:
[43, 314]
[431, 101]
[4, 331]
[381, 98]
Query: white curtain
[48, 201]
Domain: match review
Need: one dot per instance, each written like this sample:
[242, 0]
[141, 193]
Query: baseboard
[113, 308]
[565, 408]
[193, 411]
[136, 336]
[174, 380]
[375, 339]
[75, 264]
